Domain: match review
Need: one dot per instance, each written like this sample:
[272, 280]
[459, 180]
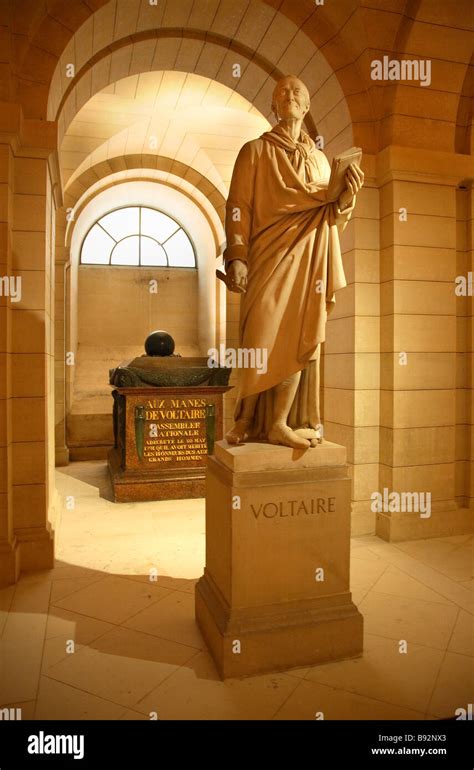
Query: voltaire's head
[290, 99]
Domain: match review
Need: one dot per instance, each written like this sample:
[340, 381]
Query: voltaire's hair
[274, 107]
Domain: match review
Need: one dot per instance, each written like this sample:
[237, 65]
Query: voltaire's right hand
[354, 182]
[237, 276]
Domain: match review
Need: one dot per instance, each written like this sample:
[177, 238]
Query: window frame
[140, 235]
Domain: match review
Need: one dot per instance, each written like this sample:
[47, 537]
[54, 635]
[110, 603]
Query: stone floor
[137, 650]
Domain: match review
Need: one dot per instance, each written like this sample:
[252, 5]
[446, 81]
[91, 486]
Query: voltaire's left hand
[237, 273]
[354, 182]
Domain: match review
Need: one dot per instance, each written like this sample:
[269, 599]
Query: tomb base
[162, 439]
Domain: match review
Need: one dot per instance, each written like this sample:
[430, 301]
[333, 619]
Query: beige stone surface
[405, 690]
[454, 685]
[362, 443]
[415, 620]
[118, 672]
[418, 297]
[312, 700]
[258, 456]
[418, 333]
[397, 262]
[405, 445]
[365, 480]
[359, 370]
[462, 638]
[417, 408]
[423, 370]
[436, 199]
[353, 407]
[343, 336]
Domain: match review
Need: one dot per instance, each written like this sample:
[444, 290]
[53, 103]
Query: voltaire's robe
[278, 222]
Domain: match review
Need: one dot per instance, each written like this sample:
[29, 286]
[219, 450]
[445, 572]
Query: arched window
[137, 236]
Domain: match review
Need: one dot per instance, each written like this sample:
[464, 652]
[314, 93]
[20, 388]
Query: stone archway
[78, 194]
[104, 174]
[330, 46]
[154, 40]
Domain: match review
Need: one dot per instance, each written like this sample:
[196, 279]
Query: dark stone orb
[159, 343]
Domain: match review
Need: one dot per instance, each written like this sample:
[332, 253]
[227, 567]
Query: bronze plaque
[164, 431]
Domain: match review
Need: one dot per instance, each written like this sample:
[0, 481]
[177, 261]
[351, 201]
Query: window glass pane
[152, 253]
[180, 251]
[121, 223]
[115, 239]
[96, 247]
[157, 225]
[126, 252]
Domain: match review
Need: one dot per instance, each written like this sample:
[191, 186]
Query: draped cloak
[279, 223]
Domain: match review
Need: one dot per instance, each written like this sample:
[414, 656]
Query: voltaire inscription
[175, 431]
[285, 508]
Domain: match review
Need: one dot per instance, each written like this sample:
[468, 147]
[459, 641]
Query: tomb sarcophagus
[167, 414]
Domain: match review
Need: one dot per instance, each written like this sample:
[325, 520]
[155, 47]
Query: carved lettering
[302, 508]
[179, 431]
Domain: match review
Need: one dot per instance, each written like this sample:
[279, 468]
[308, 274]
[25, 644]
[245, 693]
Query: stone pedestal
[275, 590]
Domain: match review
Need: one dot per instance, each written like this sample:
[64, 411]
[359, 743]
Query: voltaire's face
[291, 99]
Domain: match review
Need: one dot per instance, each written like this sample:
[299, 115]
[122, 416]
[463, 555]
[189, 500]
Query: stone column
[9, 552]
[468, 445]
[61, 259]
[352, 357]
[420, 323]
[463, 347]
[232, 341]
[26, 427]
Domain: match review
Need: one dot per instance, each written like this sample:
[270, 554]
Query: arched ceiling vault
[174, 114]
[347, 35]
[177, 122]
[331, 46]
[208, 38]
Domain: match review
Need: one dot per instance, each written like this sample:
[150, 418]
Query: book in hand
[340, 164]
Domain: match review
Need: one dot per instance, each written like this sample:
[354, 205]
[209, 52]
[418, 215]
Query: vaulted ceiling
[181, 116]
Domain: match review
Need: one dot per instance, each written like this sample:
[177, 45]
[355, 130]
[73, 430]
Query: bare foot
[308, 433]
[282, 434]
[312, 434]
[239, 432]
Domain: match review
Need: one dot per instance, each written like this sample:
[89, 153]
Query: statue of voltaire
[283, 255]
